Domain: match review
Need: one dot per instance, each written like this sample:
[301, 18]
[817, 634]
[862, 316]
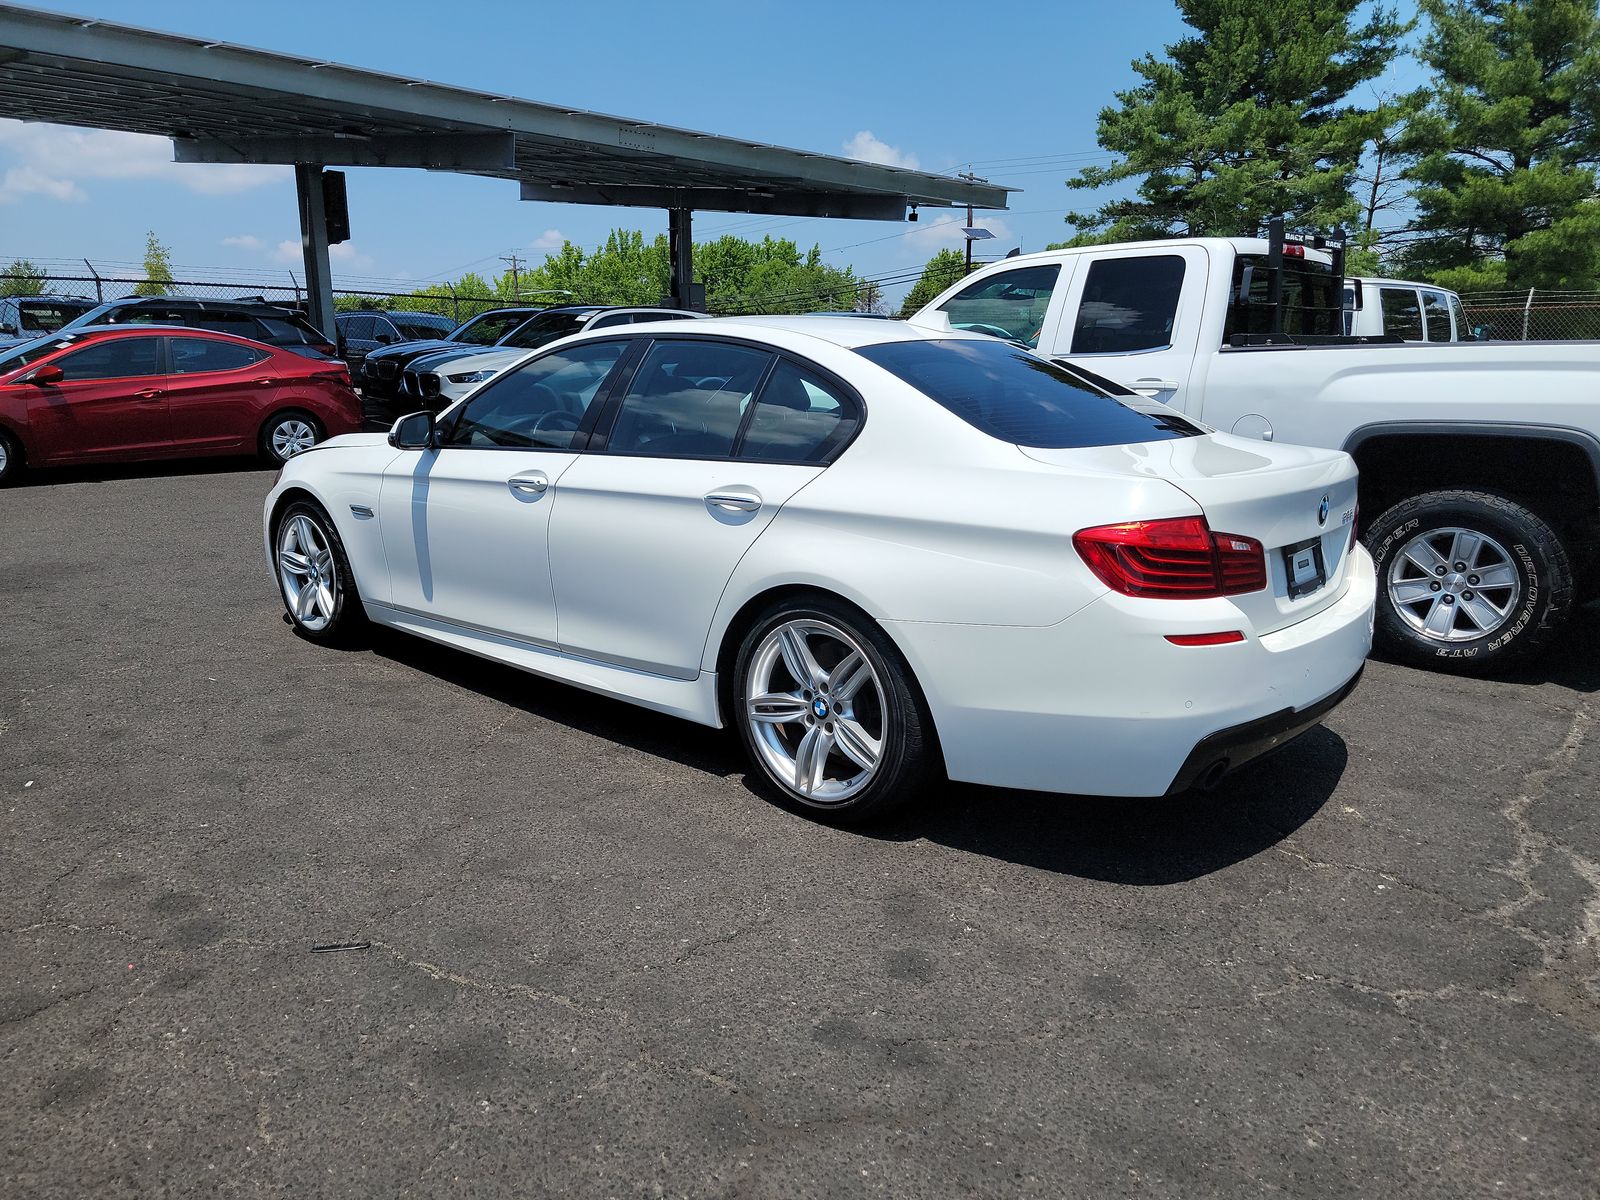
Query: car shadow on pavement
[1145, 841]
[1141, 841]
[155, 469]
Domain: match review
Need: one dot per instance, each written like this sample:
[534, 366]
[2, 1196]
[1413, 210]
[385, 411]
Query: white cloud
[936, 231]
[66, 154]
[343, 255]
[244, 241]
[550, 239]
[30, 181]
[869, 148]
[288, 251]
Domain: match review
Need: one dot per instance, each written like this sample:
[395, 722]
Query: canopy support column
[680, 240]
[314, 244]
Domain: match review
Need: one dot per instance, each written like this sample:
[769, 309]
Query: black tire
[1534, 610]
[280, 420]
[348, 619]
[909, 760]
[10, 458]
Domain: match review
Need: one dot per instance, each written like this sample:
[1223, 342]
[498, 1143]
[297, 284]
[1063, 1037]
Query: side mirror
[383, 339]
[415, 431]
[1480, 333]
[47, 375]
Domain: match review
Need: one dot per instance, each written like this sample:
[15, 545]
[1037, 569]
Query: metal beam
[800, 202]
[314, 243]
[680, 243]
[434, 151]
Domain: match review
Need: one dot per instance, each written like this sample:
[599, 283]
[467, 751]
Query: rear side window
[289, 331]
[1128, 304]
[1017, 397]
[235, 323]
[1402, 316]
[191, 356]
[799, 417]
[118, 358]
[1436, 310]
[1010, 305]
[687, 399]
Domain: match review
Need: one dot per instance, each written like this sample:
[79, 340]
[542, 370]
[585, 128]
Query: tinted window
[17, 357]
[190, 356]
[234, 323]
[488, 329]
[47, 316]
[1464, 332]
[1401, 314]
[1020, 398]
[289, 331]
[414, 325]
[544, 329]
[613, 319]
[1310, 300]
[799, 417]
[539, 405]
[1011, 304]
[686, 400]
[115, 358]
[359, 328]
[1437, 312]
[1128, 304]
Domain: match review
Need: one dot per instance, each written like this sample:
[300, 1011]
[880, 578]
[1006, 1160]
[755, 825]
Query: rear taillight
[1175, 559]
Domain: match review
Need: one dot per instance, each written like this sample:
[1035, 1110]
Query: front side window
[359, 328]
[1017, 397]
[541, 404]
[544, 329]
[1436, 316]
[799, 417]
[687, 399]
[1464, 331]
[1128, 304]
[1402, 315]
[1011, 304]
[192, 356]
[114, 358]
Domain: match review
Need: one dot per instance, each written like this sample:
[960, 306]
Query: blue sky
[1013, 90]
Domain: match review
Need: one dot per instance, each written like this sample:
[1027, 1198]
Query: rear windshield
[1311, 296]
[1018, 397]
[47, 316]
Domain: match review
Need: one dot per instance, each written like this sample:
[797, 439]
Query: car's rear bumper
[1102, 704]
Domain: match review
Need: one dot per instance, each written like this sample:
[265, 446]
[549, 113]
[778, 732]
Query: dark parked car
[108, 394]
[360, 333]
[23, 318]
[380, 371]
[253, 319]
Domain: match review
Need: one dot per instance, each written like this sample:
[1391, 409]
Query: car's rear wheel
[10, 458]
[288, 433]
[314, 576]
[830, 714]
[1467, 581]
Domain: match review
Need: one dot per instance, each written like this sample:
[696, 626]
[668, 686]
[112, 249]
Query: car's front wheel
[288, 433]
[10, 458]
[829, 712]
[314, 576]
[1467, 581]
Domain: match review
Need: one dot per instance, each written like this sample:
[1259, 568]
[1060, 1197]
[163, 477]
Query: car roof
[848, 332]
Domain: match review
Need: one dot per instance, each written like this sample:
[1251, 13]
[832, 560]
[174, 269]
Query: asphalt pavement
[599, 963]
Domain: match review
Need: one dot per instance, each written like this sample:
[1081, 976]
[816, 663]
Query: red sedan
[127, 393]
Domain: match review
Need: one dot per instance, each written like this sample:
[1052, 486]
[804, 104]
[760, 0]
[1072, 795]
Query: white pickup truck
[1413, 312]
[1480, 461]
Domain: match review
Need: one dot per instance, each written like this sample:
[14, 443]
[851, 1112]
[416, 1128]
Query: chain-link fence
[1534, 315]
[440, 299]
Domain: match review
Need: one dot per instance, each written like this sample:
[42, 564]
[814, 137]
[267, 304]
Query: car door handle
[1156, 385]
[735, 501]
[148, 394]
[530, 483]
[268, 382]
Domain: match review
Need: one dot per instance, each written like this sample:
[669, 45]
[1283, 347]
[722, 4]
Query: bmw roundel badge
[1322, 512]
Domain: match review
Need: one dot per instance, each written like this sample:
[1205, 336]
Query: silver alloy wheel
[292, 435]
[305, 565]
[1454, 584]
[5, 457]
[816, 710]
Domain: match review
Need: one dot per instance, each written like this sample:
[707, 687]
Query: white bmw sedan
[880, 552]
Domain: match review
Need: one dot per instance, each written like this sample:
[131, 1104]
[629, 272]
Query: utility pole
[516, 277]
[970, 178]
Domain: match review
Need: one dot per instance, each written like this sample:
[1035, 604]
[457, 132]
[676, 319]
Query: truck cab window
[1402, 315]
[1436, 312]
[1010, 305]
[1128, 304]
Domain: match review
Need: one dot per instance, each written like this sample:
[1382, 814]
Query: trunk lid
[1285, 497]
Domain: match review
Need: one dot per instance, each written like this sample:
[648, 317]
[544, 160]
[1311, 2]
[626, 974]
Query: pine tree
[1249, 117]
[1506, 187]
[943, 269]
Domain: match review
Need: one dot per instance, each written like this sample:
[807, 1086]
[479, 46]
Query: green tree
[157, 268]
[1506, 189]
[1248, 117]
[943, 269]
[21, 278]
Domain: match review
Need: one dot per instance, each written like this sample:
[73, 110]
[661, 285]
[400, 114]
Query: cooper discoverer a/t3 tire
[829, 713]
[1467, 581]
